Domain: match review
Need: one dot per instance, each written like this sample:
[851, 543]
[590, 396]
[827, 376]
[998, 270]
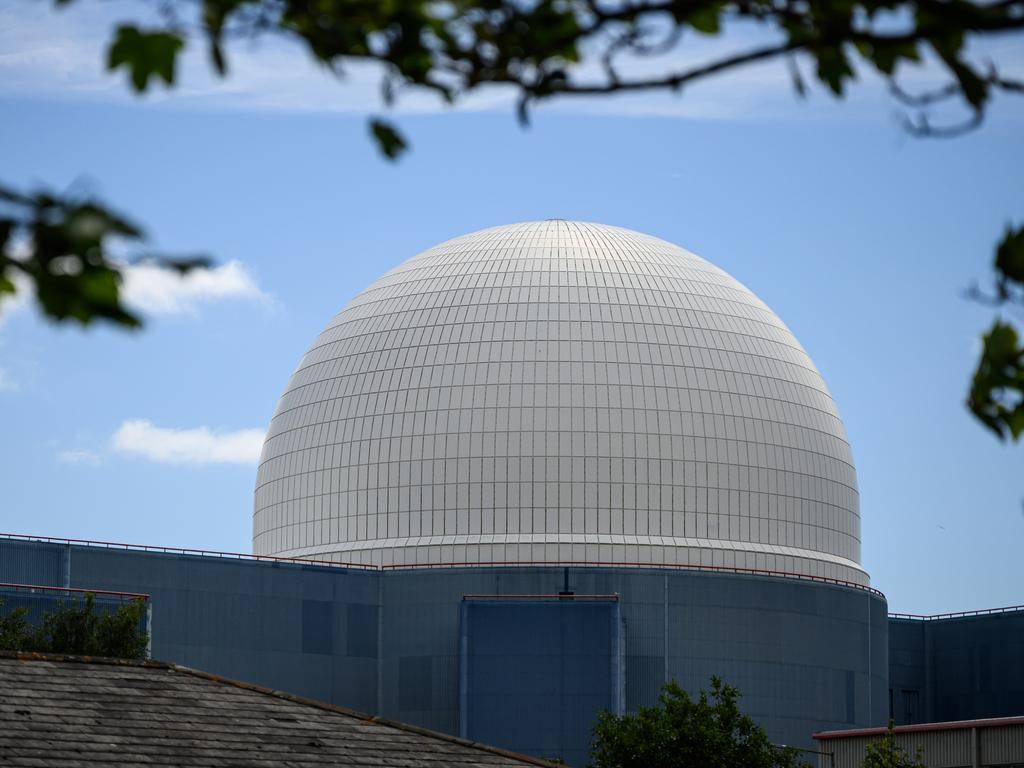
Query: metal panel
[1001, 746]
[537, 673]
[958, 668]
[31, 562]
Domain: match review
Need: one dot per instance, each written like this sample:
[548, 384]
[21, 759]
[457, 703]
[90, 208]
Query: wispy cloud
[161, 291]
[199, 445]
[79, 456]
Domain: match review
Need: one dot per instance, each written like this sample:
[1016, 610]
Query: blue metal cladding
[536, 674]
[957, 668]
[34, 562]
[806, 656]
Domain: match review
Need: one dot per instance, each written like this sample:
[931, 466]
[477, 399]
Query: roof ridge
[323, 705]
[83, 659]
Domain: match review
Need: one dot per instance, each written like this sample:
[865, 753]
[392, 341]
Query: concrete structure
[559, 393]
[425, 646]
[988, 743]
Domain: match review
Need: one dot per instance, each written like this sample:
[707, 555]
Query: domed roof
[559, 392]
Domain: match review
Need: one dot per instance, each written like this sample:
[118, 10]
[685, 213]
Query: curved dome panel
[559, 392]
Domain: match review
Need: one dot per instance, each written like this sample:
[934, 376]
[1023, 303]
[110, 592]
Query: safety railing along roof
[183, 551]
[957, 614]
[569, 596]
[34, 588]
[416, 566]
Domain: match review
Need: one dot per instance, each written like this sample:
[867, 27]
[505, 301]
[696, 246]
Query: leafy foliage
[996, 395]
[682, 732]
[453, 48]
[887, 754]
[62, 247]
[997, 389]
[78, 629]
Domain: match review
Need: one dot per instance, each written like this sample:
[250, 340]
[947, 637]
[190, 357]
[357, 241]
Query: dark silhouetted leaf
[706, 19]
[389, 140]
[997, 389]
[1010, 256]
[145, 55]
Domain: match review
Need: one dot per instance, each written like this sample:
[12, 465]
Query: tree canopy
[709, 731]
[62, 247]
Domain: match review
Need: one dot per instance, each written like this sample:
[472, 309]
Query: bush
[680, 732]
[78, 629]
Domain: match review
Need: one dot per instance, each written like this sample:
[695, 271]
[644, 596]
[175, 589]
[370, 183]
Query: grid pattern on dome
[559, 392]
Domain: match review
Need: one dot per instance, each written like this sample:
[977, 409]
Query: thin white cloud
[79, 456]
[164, 292]
[200, 445]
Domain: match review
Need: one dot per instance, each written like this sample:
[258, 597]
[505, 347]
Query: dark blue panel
[536, 674]
[361, 630]
[415, 682]
[317, 626]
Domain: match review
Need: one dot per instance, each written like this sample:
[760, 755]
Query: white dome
[559, 392]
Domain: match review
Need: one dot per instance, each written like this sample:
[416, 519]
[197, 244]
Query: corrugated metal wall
[31, 562]
[806, 656]
[996, 746]
[958, 668]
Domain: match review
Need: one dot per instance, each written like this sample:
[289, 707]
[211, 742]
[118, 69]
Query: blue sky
[861, 238]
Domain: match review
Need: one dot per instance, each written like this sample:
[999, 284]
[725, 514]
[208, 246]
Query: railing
[614, 597]
[183, 551]
[957, 614]
[653, 566]
[413, 566]
[39, 588]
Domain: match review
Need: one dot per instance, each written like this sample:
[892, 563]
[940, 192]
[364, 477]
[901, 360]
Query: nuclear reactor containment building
[543, 469]
[559, 392]
[556, 395]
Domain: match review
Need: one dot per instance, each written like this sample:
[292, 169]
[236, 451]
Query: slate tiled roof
[74, 711]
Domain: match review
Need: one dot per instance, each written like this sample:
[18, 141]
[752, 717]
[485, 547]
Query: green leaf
[389, 140]
[706, 19]
[886, 57]
[997, 390]
[145, 55]
[833, 68]
[1010, 256]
